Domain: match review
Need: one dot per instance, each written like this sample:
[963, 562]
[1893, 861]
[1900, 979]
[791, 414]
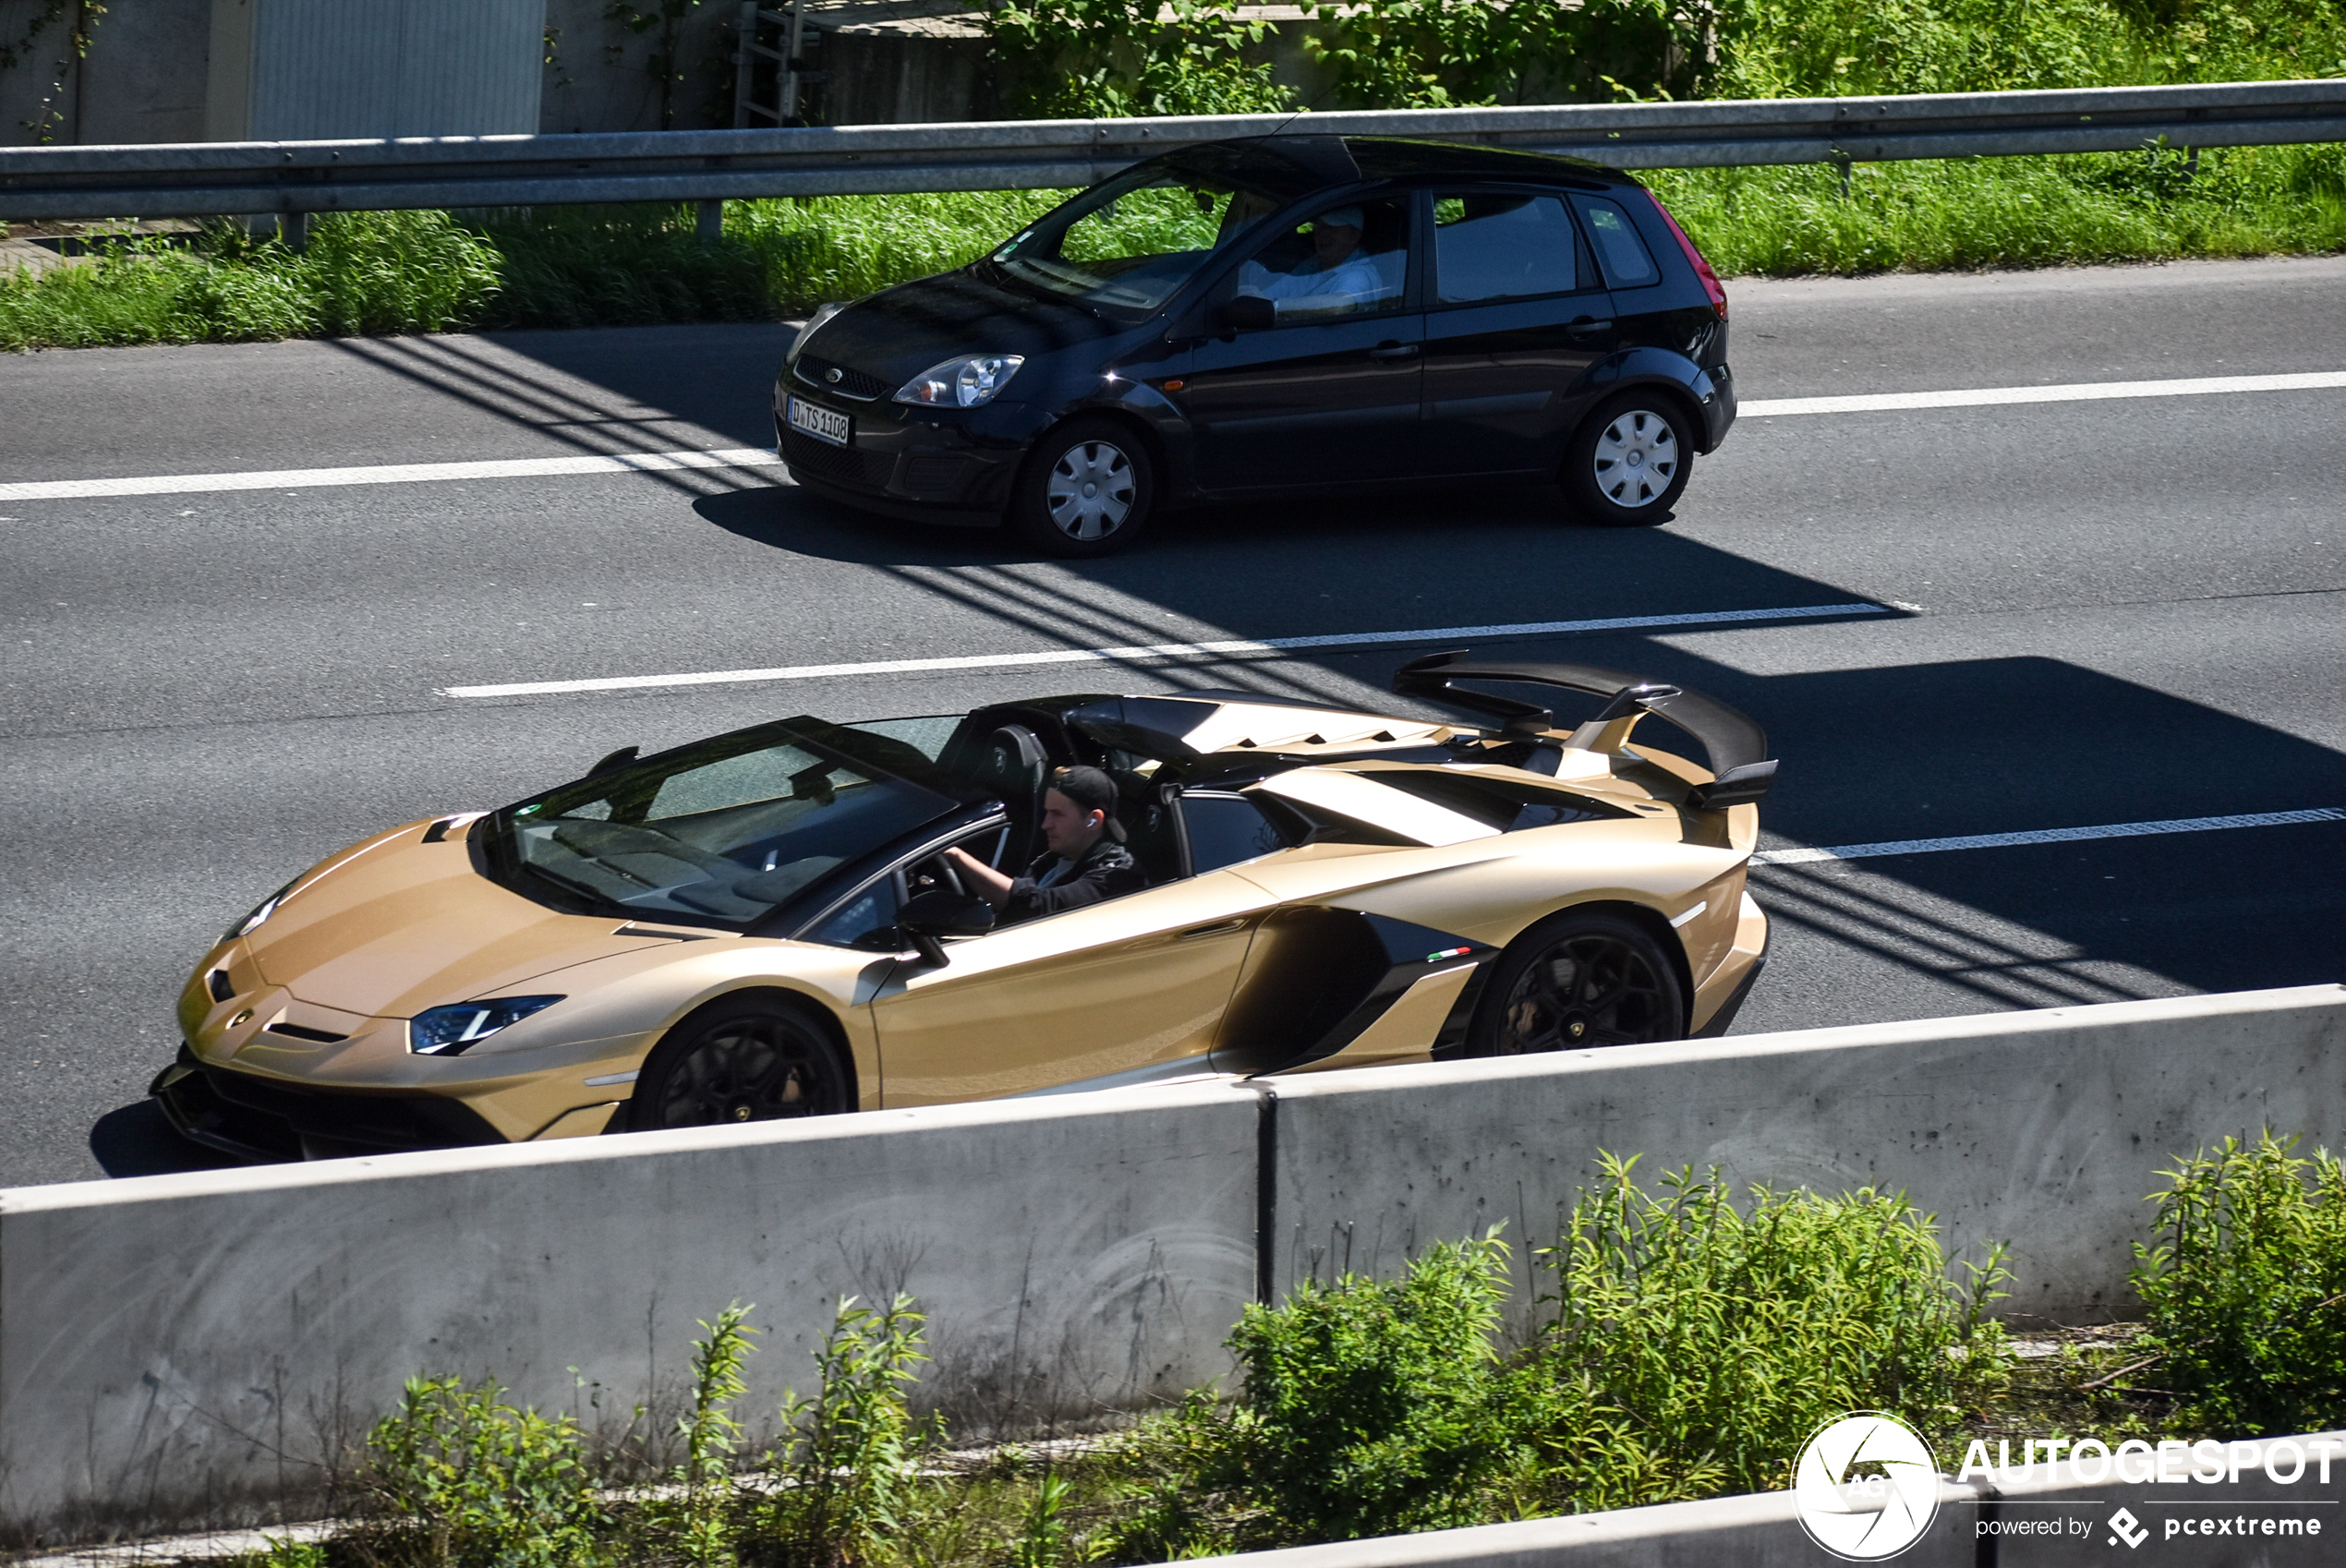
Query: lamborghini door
[1112, 990]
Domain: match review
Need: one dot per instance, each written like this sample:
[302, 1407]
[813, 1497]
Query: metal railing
[302, 178]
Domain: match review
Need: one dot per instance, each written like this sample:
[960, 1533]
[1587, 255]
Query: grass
[606, 266]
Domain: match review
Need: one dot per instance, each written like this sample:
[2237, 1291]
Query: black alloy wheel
[752, 1060]
[1086, 490]
[1629, 461]
[1579, 980]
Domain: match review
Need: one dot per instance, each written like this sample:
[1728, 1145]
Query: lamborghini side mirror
[940, 913]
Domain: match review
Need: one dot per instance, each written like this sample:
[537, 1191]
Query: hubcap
[1637, 457]
[1091, 490]
[748, 1070]
[1586, 990]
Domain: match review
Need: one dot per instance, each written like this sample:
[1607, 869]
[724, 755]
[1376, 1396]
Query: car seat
[1146, 809]
[1010, 764]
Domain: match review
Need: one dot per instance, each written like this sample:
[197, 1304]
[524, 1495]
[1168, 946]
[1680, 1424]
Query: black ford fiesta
[1292, 313]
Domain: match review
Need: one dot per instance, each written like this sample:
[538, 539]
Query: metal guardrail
[300, 177]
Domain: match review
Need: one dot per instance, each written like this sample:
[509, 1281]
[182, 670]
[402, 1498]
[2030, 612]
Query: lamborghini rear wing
[1737, 746]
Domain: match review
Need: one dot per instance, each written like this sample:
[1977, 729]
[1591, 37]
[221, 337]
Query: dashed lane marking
[389, 474]
[2076, 392]
[2047, 835]
[1161, 651]
[760, 457]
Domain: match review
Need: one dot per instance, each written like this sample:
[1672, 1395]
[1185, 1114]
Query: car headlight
[261, 911]
[965, 383]
[456, 1029]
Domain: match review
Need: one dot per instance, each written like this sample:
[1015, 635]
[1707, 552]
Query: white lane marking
[759, 457]
[389, 474]
[2047, 835]
[1159, 650]
[2077, 391]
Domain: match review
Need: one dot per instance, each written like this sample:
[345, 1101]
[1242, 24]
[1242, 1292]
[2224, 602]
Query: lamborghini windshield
[719, 833]
[1125, 245]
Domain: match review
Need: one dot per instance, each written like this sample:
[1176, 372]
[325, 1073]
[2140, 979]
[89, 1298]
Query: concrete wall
[319, 70]
[142, 81]
[181, 1350]
[2041, 1128]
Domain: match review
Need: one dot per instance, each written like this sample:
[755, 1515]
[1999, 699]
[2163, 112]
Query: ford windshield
[1125, 245]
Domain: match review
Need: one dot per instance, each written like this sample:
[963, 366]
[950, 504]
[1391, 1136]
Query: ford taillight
[1701, 268]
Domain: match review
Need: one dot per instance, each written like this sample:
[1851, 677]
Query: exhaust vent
[219, 986]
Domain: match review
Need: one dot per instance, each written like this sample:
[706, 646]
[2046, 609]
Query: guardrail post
[293, 230]
[745, 36]
[708, 223]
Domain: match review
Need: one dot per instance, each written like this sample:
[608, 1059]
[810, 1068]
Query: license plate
[821, 423]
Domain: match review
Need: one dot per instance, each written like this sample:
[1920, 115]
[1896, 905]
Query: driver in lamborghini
[1084, 860]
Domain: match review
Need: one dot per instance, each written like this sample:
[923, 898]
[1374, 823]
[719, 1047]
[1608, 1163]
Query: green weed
[460, 1478]
[850, 1462]
[2245, 1283]
[1695, 1346]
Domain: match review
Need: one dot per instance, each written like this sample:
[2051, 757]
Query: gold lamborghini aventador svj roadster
[768, 924]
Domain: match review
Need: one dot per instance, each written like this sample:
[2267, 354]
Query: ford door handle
[1394, 351]
[1219, 928]
[1586, 325]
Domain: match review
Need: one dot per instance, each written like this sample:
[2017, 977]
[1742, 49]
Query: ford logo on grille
[832, 374]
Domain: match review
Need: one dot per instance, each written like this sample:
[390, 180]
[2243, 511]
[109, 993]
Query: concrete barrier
[2044, 1130]
[202, 1350]
[185, 1351]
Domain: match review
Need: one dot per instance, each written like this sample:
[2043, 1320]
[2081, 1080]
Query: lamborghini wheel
[752, 1060]
[1630, 461]
[1578, 981]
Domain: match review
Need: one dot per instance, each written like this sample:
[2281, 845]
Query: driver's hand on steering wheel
[987, 883]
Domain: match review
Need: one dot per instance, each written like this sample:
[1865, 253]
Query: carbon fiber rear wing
[1737, 746]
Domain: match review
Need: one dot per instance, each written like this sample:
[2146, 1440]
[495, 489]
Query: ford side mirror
[939, 912]
[617, 760]
[1247, 312]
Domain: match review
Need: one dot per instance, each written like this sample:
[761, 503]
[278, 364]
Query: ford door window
[1499, 246]
[1351, 259]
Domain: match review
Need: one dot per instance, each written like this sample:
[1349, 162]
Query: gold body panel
[1123, 990]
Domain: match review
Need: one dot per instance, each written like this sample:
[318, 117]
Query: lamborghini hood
[396, 925]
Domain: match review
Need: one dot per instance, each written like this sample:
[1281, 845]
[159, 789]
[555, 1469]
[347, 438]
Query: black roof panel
[1393, 158]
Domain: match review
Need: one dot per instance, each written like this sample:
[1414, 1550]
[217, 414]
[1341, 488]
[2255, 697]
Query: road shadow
[136, 1141]
[1979, 746]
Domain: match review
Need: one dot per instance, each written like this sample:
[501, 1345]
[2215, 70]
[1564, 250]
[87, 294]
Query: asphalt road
[2104, 612]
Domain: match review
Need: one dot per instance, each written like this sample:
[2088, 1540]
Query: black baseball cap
[1093, 791]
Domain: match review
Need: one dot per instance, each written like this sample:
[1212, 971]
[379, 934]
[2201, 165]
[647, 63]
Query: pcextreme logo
[1865, 1487]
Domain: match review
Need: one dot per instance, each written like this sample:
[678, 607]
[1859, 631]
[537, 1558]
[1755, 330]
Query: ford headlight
[456, 1029]
[261, 911]
[964, 383]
